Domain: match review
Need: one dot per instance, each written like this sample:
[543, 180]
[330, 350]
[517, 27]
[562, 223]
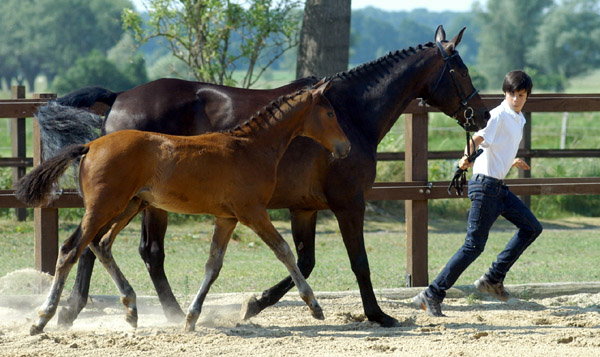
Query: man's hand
[464, 164]
[520, 164]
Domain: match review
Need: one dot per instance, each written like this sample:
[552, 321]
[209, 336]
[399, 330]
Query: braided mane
[269, 114]
[395, 57]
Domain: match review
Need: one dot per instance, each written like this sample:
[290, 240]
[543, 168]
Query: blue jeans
[490, 198]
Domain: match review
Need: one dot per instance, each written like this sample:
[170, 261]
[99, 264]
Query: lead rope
[460, 176]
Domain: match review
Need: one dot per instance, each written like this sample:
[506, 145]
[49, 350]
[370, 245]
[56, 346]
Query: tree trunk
[324, 38]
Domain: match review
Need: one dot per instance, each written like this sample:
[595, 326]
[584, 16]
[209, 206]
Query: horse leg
[261, 225]
[223, 230]
[303, 230]
[68, 254]
[79, 295]
[78, 298]
[102, 250]
[152, 251]
[350, 219]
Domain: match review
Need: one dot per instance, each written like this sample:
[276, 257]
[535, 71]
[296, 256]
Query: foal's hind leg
[79, 294]
[102, 250]
[223, 230]
[261, 224]
[67, 256]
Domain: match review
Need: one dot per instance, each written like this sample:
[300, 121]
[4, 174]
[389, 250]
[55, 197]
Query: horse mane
[395, 56]
[308, 81]
[269, 114]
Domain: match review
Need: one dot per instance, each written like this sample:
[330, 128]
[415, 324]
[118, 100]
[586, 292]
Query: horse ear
[440, 34]
[457, 38]
[321, 87]
[319, 83]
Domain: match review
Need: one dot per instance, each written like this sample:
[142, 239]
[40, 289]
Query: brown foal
[230, 175]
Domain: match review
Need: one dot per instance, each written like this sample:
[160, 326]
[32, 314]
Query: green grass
[586, 83]
[568, 250]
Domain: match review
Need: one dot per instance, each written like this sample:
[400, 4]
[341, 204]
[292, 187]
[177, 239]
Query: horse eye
[330, 114]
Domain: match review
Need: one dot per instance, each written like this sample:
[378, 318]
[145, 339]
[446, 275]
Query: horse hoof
[385, 321]
[132, 319]
[189, 328]
[388, 321]
[35, 330]
[190, 325]
[190, 321]
[317, 313]
[249, 308]
[66, 318]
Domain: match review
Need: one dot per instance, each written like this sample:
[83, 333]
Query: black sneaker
[497, 290]
[433, 308]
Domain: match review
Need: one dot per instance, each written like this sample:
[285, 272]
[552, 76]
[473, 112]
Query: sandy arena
[553, 319]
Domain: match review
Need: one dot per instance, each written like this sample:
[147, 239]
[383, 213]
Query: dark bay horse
[367, 100]
[230, 175]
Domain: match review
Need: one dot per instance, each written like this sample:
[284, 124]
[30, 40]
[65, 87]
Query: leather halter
[468, 113]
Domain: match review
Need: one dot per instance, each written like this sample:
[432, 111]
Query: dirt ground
[539, 323]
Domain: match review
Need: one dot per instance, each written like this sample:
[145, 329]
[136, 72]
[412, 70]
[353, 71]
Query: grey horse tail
[61, 126]
[67, 120]
[34, 188]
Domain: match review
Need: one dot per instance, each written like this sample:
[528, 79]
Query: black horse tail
[87, 96]
[34, 188]
[67, 120]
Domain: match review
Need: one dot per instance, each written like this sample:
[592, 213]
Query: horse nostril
[342, 151]
[487, 115]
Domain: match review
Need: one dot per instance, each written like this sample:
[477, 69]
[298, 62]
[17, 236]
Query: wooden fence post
[45, 219]
[415, 163]
[19, 147]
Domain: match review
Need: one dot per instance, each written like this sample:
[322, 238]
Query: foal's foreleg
[266, 231]
[79, 294]
[303, 230]
[102, 250]
[223, 230]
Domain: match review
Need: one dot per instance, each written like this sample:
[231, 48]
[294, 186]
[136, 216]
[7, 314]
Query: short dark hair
[515, 81]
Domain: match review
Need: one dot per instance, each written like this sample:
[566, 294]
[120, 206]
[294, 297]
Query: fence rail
[416, 190]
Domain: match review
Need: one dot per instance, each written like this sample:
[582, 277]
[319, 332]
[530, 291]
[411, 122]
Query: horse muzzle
[341, 150]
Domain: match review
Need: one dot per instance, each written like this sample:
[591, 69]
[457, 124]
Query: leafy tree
[96, 26]
[508, 32]
[124, 51]
[96, 69]
[19, 44]
[216, 37]
[373, 37]
[569, 39]
[46, 36]
[375, 32]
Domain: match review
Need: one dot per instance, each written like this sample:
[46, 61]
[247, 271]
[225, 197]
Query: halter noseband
[464, 100]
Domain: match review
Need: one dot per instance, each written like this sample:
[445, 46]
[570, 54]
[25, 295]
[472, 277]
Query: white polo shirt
[501, 138]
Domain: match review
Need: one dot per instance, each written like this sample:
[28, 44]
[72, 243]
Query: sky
[399, 5]
[408, 5]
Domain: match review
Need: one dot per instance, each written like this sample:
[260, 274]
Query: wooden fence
[416, 190]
